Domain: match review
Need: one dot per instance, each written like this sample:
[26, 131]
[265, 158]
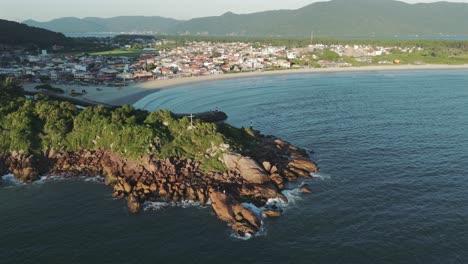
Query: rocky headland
[174, 179]
[150, 156]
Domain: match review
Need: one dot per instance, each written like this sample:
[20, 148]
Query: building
[83, 76]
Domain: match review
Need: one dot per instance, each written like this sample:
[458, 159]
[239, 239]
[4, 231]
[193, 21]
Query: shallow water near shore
[393, 152]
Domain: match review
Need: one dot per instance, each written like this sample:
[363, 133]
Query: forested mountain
[12, 33]
[332, 18]
[116, 24]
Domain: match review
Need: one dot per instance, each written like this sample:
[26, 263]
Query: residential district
[162, 59]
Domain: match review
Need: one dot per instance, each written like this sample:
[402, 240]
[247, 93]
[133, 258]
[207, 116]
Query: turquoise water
[393, 152]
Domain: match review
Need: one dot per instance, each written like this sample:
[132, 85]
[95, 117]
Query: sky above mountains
[44, 10]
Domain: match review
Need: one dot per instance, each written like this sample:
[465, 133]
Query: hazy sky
[43, 10]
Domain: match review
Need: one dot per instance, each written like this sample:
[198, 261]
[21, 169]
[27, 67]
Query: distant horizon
[15, 11]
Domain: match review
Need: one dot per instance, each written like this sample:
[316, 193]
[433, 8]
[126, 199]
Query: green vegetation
[122, 52]
[13, 33]
[49, 88]
[304, 42]
[34, 126]
[32, 38]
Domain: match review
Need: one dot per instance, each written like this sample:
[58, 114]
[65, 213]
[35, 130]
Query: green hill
[12, 33]
[116, 24]
[333, 18]
[340, 18]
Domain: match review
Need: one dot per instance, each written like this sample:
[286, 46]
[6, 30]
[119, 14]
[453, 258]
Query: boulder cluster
[173, 179]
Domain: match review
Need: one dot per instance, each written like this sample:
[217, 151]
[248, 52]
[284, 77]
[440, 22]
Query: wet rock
[242, 229]
[133, 204]
[246, 214]
[201, 196]
[267, 190]
[25, 168]
[304, 165]
[283, 198]
[271, 213]
[192, 196]
[222, 206]
[305, 189]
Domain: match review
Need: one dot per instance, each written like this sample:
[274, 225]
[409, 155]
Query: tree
[10, 88]
[151, 67]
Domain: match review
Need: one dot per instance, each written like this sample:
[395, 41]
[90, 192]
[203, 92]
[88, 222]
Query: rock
[278, 180]
[300, 173]
[304, 164]
[267, 166]
[273, 170]
[246, 214]
[153, 187]
[191, 194]
[242, 229]
[222, 206]
[127, 187]
[305, 189]
[283, 198]
[271, 213]
[201, 196]
[110, 179]
[239, 217]
[231, 160]
[247, 167]
[267, 190]
[163, 191]
[133, 204]
[119, 188]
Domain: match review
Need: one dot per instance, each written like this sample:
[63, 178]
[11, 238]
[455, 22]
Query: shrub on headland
[34, 126]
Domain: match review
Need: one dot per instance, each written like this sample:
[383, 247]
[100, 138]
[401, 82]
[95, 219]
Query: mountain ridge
[331, 18]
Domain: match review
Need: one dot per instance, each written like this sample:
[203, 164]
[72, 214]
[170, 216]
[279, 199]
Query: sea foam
[159, 205]
[9, 180]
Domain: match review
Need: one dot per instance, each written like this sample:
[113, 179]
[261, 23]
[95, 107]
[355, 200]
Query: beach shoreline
[136, 91]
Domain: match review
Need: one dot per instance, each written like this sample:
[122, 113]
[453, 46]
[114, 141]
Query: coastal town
[161, 59]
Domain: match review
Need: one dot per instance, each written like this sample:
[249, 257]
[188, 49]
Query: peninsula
[150, 156]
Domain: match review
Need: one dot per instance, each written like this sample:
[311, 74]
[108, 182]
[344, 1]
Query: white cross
[191, 119]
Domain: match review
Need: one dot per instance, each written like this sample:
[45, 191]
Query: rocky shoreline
[172, 179]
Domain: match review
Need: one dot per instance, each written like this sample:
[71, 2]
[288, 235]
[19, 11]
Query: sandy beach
[137, 90]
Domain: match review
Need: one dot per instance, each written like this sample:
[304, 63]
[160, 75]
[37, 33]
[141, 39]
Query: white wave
[52, 178]
[49, 178]
[292, 195]
[189, 203]
[271, 204]
[260, 233]
[95, 179]
[156, 206]
[321, 176]
[245, 237]
[10, 180]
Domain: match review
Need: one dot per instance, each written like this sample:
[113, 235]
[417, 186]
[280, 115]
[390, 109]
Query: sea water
[393, 152]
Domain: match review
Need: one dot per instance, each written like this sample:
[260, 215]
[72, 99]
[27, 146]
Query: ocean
[393, 152]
